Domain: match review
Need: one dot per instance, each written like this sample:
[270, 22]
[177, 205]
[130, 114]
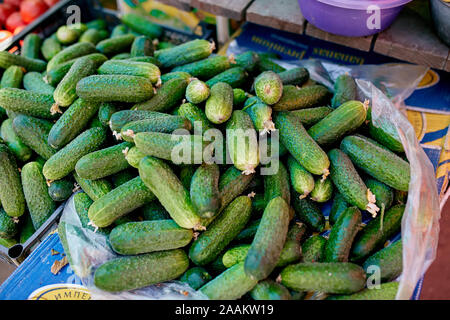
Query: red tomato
[4, 34]
[14, 3]
[51, 3]
[17, 31]
[5, 11]
[31, 9]
[14, 21]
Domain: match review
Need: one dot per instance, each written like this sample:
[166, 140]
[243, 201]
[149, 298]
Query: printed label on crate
[61, 292]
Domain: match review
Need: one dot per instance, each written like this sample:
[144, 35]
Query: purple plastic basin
[353, 18]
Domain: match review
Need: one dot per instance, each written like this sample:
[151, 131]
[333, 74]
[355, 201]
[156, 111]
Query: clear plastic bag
[420, 224]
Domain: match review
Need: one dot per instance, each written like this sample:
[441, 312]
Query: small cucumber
[387, 291]
[186, 174]
[141, 25]
[311, 116]
[142, 46]
[93, 36]
[349, 183]
[33, 81]
[385, 133]
[121, 118]
[166, 186]
[197, 91]
[235, 255]
[270, 290]
[61, 190]
[63, 162]
[332, 277]
[207, 68]
[269, 240]
[323, 190]
[313, 249]
[103, 163]
[82, 202]
[185, 53]
[31, 47]
[134, 157]
[388, 259]
[26, 102]
[308, 212]
[235, 77]
[204, 190]
[98, 24]
[342, 235]
[121, 56]
[175, 75]
[35, 189]
[20, 150]
[196, 277]
[232, 183]
[134, 272]
[154, 211]
[269, 87]
[384, 194]
[261, 115]
[67, 35]
[195, 115]
[248, 61]
[221, 232]
[74, 51]
[8, 228]
[219, 105]
[277, 185]
[294, 98]
[296, 76]
[292, 250]
[337, 208]
[377, 162]
[146, 59]
[267, 64]
[50, 48]
[344, 90]
[301, 179]
[95, 189]
[239, 97]
[376, 232]
[11, 195]
[131, 68]
[119, 30]
[9, 59]
[106, 111]
[148, 236]
[116, 45]
[12, 77]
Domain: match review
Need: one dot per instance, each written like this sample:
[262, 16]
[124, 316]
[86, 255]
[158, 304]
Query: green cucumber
[116, 45]
[197, 91]
[337, 208]
[313, 249]
[204, 190]
[154, 211]
[344, 90]
[8, 228]
[221, 231]
[332, 277]
[261, 115]
[296, 76]
[349, 183]
[50, 48]
[98, 24]
[67, 35]
[311, 116]
[134, 157]
[142, 46]
[31, 47]
[27, 230]
[142, 25]
[342, 235]
[175, 75]
[384, 194]
[148, 236]
[377, 162]
[387, 291]
[270, 290]
[376, 232]
[131, 68]
[269, 87]
[388, 259]
[219, 105]
[232, 284]
[235, 77]
[309, 213]
[323, 190]
[146, 59]
[300, 144]
[195, 114]
[128, 273]
[33, 81]
[186, 174]
[267, 64]
[115, 88]
[26, 102]
[277, 185]
[7, 243]
[93, 36]
[60, 190]
[95, 189]
[269, 240]
[121, 118]
[12, 77]
[21, 151]
[34, 134]
[65, 93]
[120, 201]
[40, 205]
[11, 195]
[185, 53]
[242, 143]
[82, 202]
[207, 68]
[292, 250]
[9, 59]
[123, 176]
[239, 97]
[248, 61]
[196, 277]
[249, 232]
[121, 56]
[63, 162]
[294, 98]
[167, 97]
[74, 51]
[105, 112]
[232, 183]
[385, 133]
[119, 30]
[345, 119]
[166, 186]
[301, 179]
[235, 255]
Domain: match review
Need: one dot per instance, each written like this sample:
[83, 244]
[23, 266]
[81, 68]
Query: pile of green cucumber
[98, 109]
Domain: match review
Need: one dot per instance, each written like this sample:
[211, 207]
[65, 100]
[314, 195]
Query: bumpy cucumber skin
[308, 97]
[270, 290]
[33, 81]
[197, 91]
[123, 176]
[50, 48]
[267, 64]
[72, 123]
[232, 284]
[35, 189]
[82, 202]
[342, 235]
[373, 237]
[67, 35]
[196, 277]
[313, 249]
[277, 185]
[292, 250]
[219, 105]
[261, 115]
[269, 240]
[387, 291]
[386, 134]
[311, 116]
[119, 30]
[269, 87]
[119, 119]
[31, 46]
[207, 68]
[148, 236]
[221, 232]
[115, 88]
[296, 76]
[8, 59]
[308, 212]
[323, 190]
[248, 61]
[167, 97]
[103, 163]
[332, 277]
[141, 25]
[337, 208]
[21, 151]
[204, 190]
[175, 75]
[134, 157]
[195, 114]
[185, 53]
[166, 186]
[235, 77]
[347, 180]
[388, 259]
[239, 97]
[27, 102]
[95, 189]
[113, 46]
[63, 162]
[232, 183]
[131, 68]
[74, 51]
[154, 211]
[65, 92]
[344, 90]
[60, 190]
[34, 133]
[301, 179]
[300, 145]
[11, 195]
[93, 36]
[8, 228]
[235, 255]
[346, 118]
[379, 163]
[119, 202]
[12, 77]
[383, 193]
[134, 272]
[142, 46]
[105, 112]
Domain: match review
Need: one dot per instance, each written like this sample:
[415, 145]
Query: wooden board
[184, 5]
[411, 39]
[282, 14]
[233, 9]
[361, 43]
